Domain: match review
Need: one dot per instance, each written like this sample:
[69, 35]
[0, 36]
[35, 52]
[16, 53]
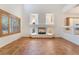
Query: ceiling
[49, 8]
[43, 8]
[74, 10]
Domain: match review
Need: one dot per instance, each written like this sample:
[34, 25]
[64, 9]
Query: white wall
[68, 35]
[60, 28]
[60, 24]
[25, 23]
[15, 10]
[42, 10]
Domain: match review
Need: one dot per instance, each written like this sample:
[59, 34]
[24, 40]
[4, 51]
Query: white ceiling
[74, 10]
[41, 8]
[50, 8]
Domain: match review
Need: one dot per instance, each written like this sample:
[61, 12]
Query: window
[9, 24]
[33, 23]
[34, 19]
[4, 25]
[49, 19]
[14, 25]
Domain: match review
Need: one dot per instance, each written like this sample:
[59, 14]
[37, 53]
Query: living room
[52, 25]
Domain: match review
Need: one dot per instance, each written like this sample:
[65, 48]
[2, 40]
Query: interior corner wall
[67, 35]
[25, 24]
[14, 9]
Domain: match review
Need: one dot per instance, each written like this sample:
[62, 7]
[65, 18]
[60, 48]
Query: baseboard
[38, 37]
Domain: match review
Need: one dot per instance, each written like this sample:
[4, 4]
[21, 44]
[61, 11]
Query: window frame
[4, 13]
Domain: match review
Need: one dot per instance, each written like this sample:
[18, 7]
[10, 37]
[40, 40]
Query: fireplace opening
[41, 30]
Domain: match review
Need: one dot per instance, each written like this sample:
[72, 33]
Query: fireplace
[41, 30]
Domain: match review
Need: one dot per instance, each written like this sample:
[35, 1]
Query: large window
[4, 24]
[34, 19]
[9, 24]
[33, 23]
[49, 19]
